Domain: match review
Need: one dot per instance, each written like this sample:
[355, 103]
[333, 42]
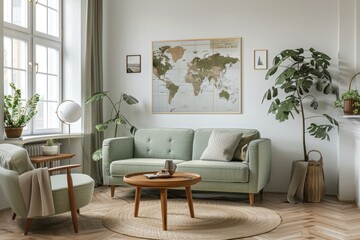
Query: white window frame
[55, 45]
[33, 37]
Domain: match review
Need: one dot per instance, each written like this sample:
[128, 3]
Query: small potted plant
[50, 148]
[349, 100]
[16, 116]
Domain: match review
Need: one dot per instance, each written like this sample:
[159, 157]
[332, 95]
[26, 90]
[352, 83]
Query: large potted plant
[302, 74]
[115, 116]
[17, 115]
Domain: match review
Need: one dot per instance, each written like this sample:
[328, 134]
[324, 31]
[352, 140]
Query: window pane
[19, 54]
[53, 89]
[7, 11]
[41, 18]
[41, 59]
[53, 61]
[53, 121]
[39, 117]
[53, 23]
[42, 2]
[41, 85]
[7, 81]
[20, 13]
[53, 4]
[7, 52]
[19, 78]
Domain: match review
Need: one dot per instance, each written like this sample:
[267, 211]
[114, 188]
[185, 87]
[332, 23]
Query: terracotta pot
[13, 132]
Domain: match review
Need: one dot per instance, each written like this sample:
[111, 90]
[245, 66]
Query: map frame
[234, 45]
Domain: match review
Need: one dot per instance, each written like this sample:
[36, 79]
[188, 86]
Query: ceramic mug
[170, 166]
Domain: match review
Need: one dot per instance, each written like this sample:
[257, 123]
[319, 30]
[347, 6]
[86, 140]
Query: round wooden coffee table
[178, 179]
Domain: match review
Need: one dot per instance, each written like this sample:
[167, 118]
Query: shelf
[351, 116]
[38, 138]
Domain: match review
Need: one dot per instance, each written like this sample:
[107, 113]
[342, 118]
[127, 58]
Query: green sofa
[149, 148]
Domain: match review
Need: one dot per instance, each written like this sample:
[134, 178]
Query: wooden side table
[49, 159]
[179, 179]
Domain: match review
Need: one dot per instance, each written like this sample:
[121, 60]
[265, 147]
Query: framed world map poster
[197, 76]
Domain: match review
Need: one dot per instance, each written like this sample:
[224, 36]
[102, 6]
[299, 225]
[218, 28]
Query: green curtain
[93, 82]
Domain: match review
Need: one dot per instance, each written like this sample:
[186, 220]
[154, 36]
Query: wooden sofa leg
[27, 226]
[112, 190]
[251, 199]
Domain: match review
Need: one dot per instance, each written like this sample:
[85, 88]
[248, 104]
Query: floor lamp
[68, 112]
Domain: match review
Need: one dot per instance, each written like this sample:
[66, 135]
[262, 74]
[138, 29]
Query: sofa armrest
[259, 158]
[116, 149]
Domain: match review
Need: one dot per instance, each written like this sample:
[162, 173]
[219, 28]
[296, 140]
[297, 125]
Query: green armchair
[69, 192]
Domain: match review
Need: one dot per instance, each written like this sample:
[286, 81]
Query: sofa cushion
[202, 135]
[241, 150]
[217, 171]
[221, 145]
[174, 143]
[133, 165]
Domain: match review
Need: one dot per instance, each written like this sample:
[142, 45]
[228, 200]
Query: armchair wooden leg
[27, 226]
[251, 199]
[72, 201]
[13, 216]
[112, 190]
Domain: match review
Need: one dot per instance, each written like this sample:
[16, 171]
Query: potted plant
[300, 72]
[16, 116]
[115, 116]
[349, 100]
[50, 148]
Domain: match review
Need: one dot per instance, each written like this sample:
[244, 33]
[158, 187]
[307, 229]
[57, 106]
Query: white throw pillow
[221, 146]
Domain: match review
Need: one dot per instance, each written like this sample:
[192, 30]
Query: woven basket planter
[314, 188]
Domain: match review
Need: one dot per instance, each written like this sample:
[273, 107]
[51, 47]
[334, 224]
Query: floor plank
[330, 219]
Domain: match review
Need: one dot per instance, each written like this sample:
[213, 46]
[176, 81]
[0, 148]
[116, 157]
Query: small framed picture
[261, 59]
[133, 63]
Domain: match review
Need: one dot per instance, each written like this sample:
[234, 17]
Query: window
[32, 57]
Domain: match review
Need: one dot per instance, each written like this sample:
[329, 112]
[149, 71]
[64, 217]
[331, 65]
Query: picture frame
[133, 63]
[260, 59]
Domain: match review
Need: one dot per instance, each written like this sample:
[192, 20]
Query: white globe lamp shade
[69, 111]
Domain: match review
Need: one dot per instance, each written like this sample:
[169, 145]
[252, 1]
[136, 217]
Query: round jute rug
[213, 220]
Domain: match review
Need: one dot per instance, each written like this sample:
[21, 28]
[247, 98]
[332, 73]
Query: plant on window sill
[15, 114]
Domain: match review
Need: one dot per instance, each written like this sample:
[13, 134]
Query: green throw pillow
[241, 150]
[221, 146]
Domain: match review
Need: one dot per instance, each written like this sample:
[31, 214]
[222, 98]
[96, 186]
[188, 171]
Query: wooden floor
[330, 219]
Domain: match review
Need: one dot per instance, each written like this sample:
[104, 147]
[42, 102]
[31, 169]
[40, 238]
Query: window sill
[39, 138]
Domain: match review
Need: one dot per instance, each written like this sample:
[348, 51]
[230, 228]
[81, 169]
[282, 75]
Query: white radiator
[34, 149]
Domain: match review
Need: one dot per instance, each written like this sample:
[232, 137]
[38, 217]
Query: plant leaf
[130, 99]
[97, 155]
[96, 97]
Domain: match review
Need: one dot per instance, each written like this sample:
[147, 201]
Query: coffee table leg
[163, 199]
[190, 200]
[137, 201]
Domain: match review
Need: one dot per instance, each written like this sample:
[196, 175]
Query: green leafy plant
[15, 114]
[50, 142]
[302, 70]
[115, 116]
[349, 100]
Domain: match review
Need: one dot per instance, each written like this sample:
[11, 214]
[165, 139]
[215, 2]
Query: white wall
[131, 25]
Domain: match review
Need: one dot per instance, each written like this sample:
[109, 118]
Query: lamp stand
[69, 139]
